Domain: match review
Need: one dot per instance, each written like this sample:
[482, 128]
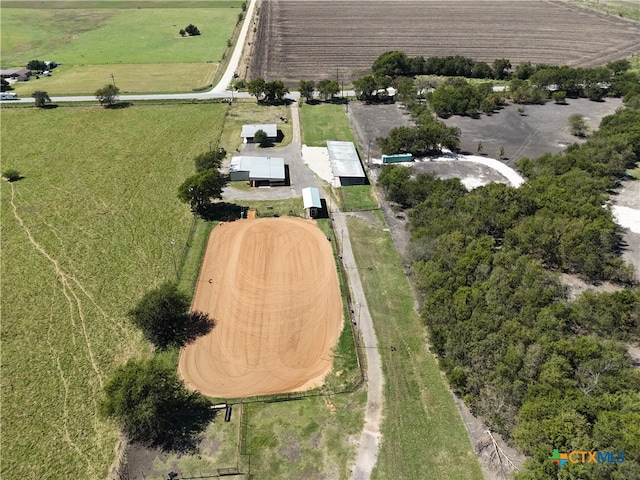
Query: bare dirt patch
[316, 39]
[272, 286]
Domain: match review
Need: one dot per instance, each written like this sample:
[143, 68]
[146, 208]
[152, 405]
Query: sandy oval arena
[271, 285]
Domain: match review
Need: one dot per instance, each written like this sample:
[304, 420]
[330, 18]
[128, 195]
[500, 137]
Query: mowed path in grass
[422, 431]
[84, 235]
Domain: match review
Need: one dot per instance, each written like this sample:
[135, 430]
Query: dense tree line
[267, 92]
[547, 373]
[527, 83]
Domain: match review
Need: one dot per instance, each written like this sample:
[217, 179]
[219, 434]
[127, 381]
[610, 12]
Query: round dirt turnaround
[272, 287]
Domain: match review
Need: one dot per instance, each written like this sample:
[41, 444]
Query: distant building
[15, 73]
[249, 131]
[259, 171]
[345, 164]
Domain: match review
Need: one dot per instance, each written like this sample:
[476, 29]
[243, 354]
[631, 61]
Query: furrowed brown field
[314, 39]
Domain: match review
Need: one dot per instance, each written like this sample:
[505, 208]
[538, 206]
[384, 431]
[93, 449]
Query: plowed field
[272, 287]
[315, 39]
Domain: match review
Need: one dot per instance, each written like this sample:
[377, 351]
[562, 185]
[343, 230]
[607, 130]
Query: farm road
[368, 446]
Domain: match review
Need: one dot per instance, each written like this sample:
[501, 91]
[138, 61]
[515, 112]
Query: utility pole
[113, 79]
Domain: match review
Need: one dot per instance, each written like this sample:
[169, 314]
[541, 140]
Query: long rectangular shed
[258, 170]
[345, 163]
[249, 131]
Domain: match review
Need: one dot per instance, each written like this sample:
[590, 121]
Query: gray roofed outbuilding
[345, 163]
[257, 169]
[249, 130]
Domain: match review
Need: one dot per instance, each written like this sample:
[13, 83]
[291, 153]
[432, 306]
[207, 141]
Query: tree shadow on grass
[116, 106]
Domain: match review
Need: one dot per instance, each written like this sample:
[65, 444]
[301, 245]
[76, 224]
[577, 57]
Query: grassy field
[85, 234]
[306, 439]
[424, 437]
[322, 122]
[621, 8]
[85, 80]
[141, 43]
[357, 198]
[249, 111]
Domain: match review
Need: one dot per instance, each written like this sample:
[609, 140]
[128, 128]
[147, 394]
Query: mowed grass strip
[85, 80]
[85, 234]
[324, 121]
[358, 198]
[111, 36]
[422, 432]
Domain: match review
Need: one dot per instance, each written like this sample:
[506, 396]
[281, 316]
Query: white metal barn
[345, 164]
[311, 200]
[249, 131]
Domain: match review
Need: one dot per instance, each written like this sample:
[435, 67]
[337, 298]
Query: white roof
[259, 168]
[344, 159]
[311, 197]
[249, 130]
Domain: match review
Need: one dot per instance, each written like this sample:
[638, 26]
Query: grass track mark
[65, 385]
[64, 280]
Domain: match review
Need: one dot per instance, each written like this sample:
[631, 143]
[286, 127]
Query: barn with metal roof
[260, 171]
[249, 131]
[345, 163]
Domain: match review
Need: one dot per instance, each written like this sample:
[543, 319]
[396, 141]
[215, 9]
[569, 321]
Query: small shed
[397, 158]
[259, 171]
[249, 131]
[345, 163]
[311, 200]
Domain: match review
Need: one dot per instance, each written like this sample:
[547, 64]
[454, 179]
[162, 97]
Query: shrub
[11, 174]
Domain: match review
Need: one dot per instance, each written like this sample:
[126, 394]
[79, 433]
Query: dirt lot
[538, 130]
[316, 39]
[272, 287]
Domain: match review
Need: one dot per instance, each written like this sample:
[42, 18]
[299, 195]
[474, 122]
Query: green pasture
[86, 79]
[357, 198]
[324, 121]
[310, 438]
[422, 432]
[110, 36]
[621, 8]
[249, 111]
[85, 234]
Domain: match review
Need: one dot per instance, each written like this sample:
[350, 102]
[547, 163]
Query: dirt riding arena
[318, 39]
[272, 286]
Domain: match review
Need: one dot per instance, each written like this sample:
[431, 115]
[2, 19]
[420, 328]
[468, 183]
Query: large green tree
[150, 404]
[256, 87]
[365, 87]
[41, 98]
[164, 318]
[328, 89]
[306, 88]
[200, 189]
[275, 91]
[108, 94]
[209, 160]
